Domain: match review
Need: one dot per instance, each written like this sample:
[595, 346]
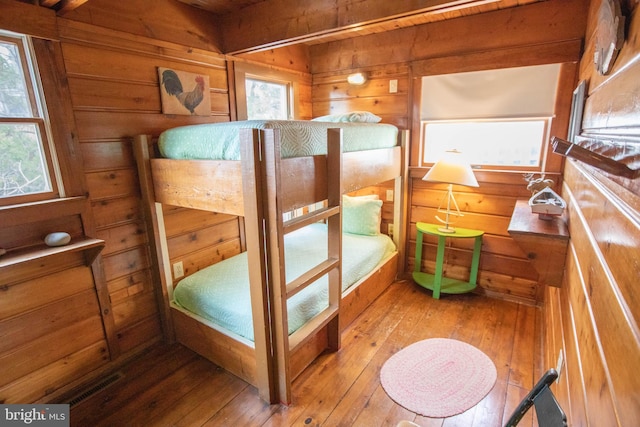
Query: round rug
[438, 377]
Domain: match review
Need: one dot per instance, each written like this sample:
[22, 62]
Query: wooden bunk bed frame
[260, 189]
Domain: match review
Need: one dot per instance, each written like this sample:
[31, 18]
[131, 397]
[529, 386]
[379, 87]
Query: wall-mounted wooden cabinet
[543, 241]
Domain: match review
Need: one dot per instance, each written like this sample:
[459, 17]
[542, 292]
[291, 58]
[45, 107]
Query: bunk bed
[260, 174]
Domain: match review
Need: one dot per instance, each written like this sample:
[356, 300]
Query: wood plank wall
[332, 95]
[520, 36]
[593, 319]
[55, 335]
[190, 234]
[111, 53]
[111, 68]
[113, 81]
[44, 342]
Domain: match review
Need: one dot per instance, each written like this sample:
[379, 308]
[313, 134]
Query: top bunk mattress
[221, 141]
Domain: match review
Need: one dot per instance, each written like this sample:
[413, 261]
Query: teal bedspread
[220, 141]
[220, 293]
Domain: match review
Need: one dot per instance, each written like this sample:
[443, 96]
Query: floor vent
[85, 394]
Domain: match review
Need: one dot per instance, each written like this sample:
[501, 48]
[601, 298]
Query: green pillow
[361, 215]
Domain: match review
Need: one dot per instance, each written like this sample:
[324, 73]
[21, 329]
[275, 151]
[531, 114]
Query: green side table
[436, 282]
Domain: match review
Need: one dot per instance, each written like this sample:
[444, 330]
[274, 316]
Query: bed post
[334, 237]
[401, 184]
[255, 224]
[154, 220]
[274, 238]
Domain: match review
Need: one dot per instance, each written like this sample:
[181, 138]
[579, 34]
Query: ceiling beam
[66, 6]
[278, 23]
[28, 19]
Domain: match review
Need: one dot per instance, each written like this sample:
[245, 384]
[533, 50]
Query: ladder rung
[310, 276]
[310, 328]
[310, 218]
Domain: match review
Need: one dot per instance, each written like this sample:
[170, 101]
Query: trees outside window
[267, 100]
[26, 164]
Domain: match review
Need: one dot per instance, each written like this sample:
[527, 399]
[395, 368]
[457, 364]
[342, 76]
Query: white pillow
[353, 117]
[361, 215]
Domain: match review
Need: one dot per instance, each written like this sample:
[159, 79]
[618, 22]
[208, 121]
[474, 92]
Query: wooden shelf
[32, 213]
[447, 284]
[545, 242]
[90, 247]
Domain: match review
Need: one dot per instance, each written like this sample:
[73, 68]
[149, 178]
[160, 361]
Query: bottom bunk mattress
[220, 293]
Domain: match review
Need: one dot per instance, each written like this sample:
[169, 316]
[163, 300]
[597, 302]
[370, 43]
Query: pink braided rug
[438, 377]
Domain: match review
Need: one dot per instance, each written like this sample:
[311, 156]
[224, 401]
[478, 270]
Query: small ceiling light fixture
[357, 79]
[451, 169]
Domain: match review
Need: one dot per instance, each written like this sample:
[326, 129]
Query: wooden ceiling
[222, 7]
[268, 24]
[60, 6]
[247, 23]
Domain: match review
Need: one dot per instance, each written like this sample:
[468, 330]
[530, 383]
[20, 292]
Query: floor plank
[172, 386]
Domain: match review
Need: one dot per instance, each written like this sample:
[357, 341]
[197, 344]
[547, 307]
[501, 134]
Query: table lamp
[451, 169]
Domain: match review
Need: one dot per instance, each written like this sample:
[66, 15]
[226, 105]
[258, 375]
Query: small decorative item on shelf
[545, 202]
[58, 238]
[2, 251]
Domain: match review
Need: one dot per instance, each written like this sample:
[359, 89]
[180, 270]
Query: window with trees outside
[26, 156]
[267, 100]
[265, 93]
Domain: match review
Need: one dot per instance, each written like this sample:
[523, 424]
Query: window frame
[242, 71]
[39, 117]
[287, 87]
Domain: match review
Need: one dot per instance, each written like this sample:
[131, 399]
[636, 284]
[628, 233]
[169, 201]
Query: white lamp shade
[452, 169]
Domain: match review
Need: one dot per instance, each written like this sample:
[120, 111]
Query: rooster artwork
[187, 90]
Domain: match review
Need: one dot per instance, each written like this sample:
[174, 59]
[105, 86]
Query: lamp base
[447, 229]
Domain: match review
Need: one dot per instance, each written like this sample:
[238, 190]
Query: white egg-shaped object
[58, 238]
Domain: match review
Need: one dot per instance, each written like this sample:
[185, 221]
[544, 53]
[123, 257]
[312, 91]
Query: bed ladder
[280, 290]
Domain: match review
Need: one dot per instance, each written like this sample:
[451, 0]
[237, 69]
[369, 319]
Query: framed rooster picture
[184, 93]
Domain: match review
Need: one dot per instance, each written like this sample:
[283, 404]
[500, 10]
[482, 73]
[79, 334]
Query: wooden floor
[172, 386]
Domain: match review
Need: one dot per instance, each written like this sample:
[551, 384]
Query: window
[267, 100]
[499, 119]
[264, 93]
[508, 143]
[26, 164]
